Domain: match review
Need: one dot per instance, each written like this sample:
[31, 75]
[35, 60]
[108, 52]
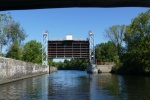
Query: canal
[77, 85]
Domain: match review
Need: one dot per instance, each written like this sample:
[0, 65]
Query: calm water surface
[78, 85]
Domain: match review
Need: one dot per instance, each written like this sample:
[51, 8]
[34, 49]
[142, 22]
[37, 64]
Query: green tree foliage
[14, 33]
[60, 65]
[106, 51]
[67, 64]
[15, 52]
[79, 64]
[137, 38]
[116, 35]
[50, 62]
[54, 64]
[73, 64]
[14, 36]
[4, 19]
[32, 52]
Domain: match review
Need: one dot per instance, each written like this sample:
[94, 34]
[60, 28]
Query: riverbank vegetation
[12, 36]
[128, 46]
[72, 64]
[134, 55]
[136, 59]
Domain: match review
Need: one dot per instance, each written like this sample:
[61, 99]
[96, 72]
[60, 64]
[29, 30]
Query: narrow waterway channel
[77, 85]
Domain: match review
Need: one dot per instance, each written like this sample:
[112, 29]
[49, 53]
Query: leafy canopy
[32, 52]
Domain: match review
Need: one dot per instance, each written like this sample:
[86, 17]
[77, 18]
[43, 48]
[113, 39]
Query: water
[77, 85]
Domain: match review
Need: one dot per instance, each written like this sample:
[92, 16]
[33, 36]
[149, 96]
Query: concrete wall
[12, 70]
[52, 69]
[105, 68]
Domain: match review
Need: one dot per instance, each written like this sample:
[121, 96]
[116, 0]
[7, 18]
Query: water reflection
[104, 86]
[26, 89]
[137, 87]
[77, 85]
[72, 85]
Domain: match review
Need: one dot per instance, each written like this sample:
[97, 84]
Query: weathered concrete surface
[52, 69]
[105, 68]
[12, 70]
[92, 68]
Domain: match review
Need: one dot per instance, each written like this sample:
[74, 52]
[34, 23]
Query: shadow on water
[77, 85]
[136, 87]
[26, 89]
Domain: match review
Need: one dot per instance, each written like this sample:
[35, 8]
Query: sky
[76, 21]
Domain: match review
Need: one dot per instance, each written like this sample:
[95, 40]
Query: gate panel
[68, 49]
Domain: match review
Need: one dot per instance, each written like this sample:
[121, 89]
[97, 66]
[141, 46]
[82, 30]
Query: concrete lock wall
[12, 70]
[105, 68]
[52, 69]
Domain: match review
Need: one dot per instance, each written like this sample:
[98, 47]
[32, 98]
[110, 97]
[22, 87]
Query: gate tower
[45, 48]
[92, 48]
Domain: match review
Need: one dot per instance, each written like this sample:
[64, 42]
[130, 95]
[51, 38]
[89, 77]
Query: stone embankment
[12, 70]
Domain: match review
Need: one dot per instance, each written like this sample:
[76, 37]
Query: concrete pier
[92, 68]
[52, 69]
[105, 68]
[99, 68]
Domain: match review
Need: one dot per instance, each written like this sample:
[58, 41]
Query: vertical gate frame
[45, 48]
[92, 48]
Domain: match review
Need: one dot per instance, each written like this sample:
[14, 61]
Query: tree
[137, 37]
[116, 35]
[137, 30]
[14, 33]
[66, 64]
[14, 36]
[52, 63]
[59, 65]
[72, 64]
[32, 52]
[4, 19]
[106, 51]
[15, 52]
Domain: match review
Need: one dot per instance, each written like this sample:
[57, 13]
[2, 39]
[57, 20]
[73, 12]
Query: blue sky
[76, 21]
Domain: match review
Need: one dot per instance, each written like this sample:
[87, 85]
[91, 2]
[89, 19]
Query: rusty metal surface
[68, 49]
